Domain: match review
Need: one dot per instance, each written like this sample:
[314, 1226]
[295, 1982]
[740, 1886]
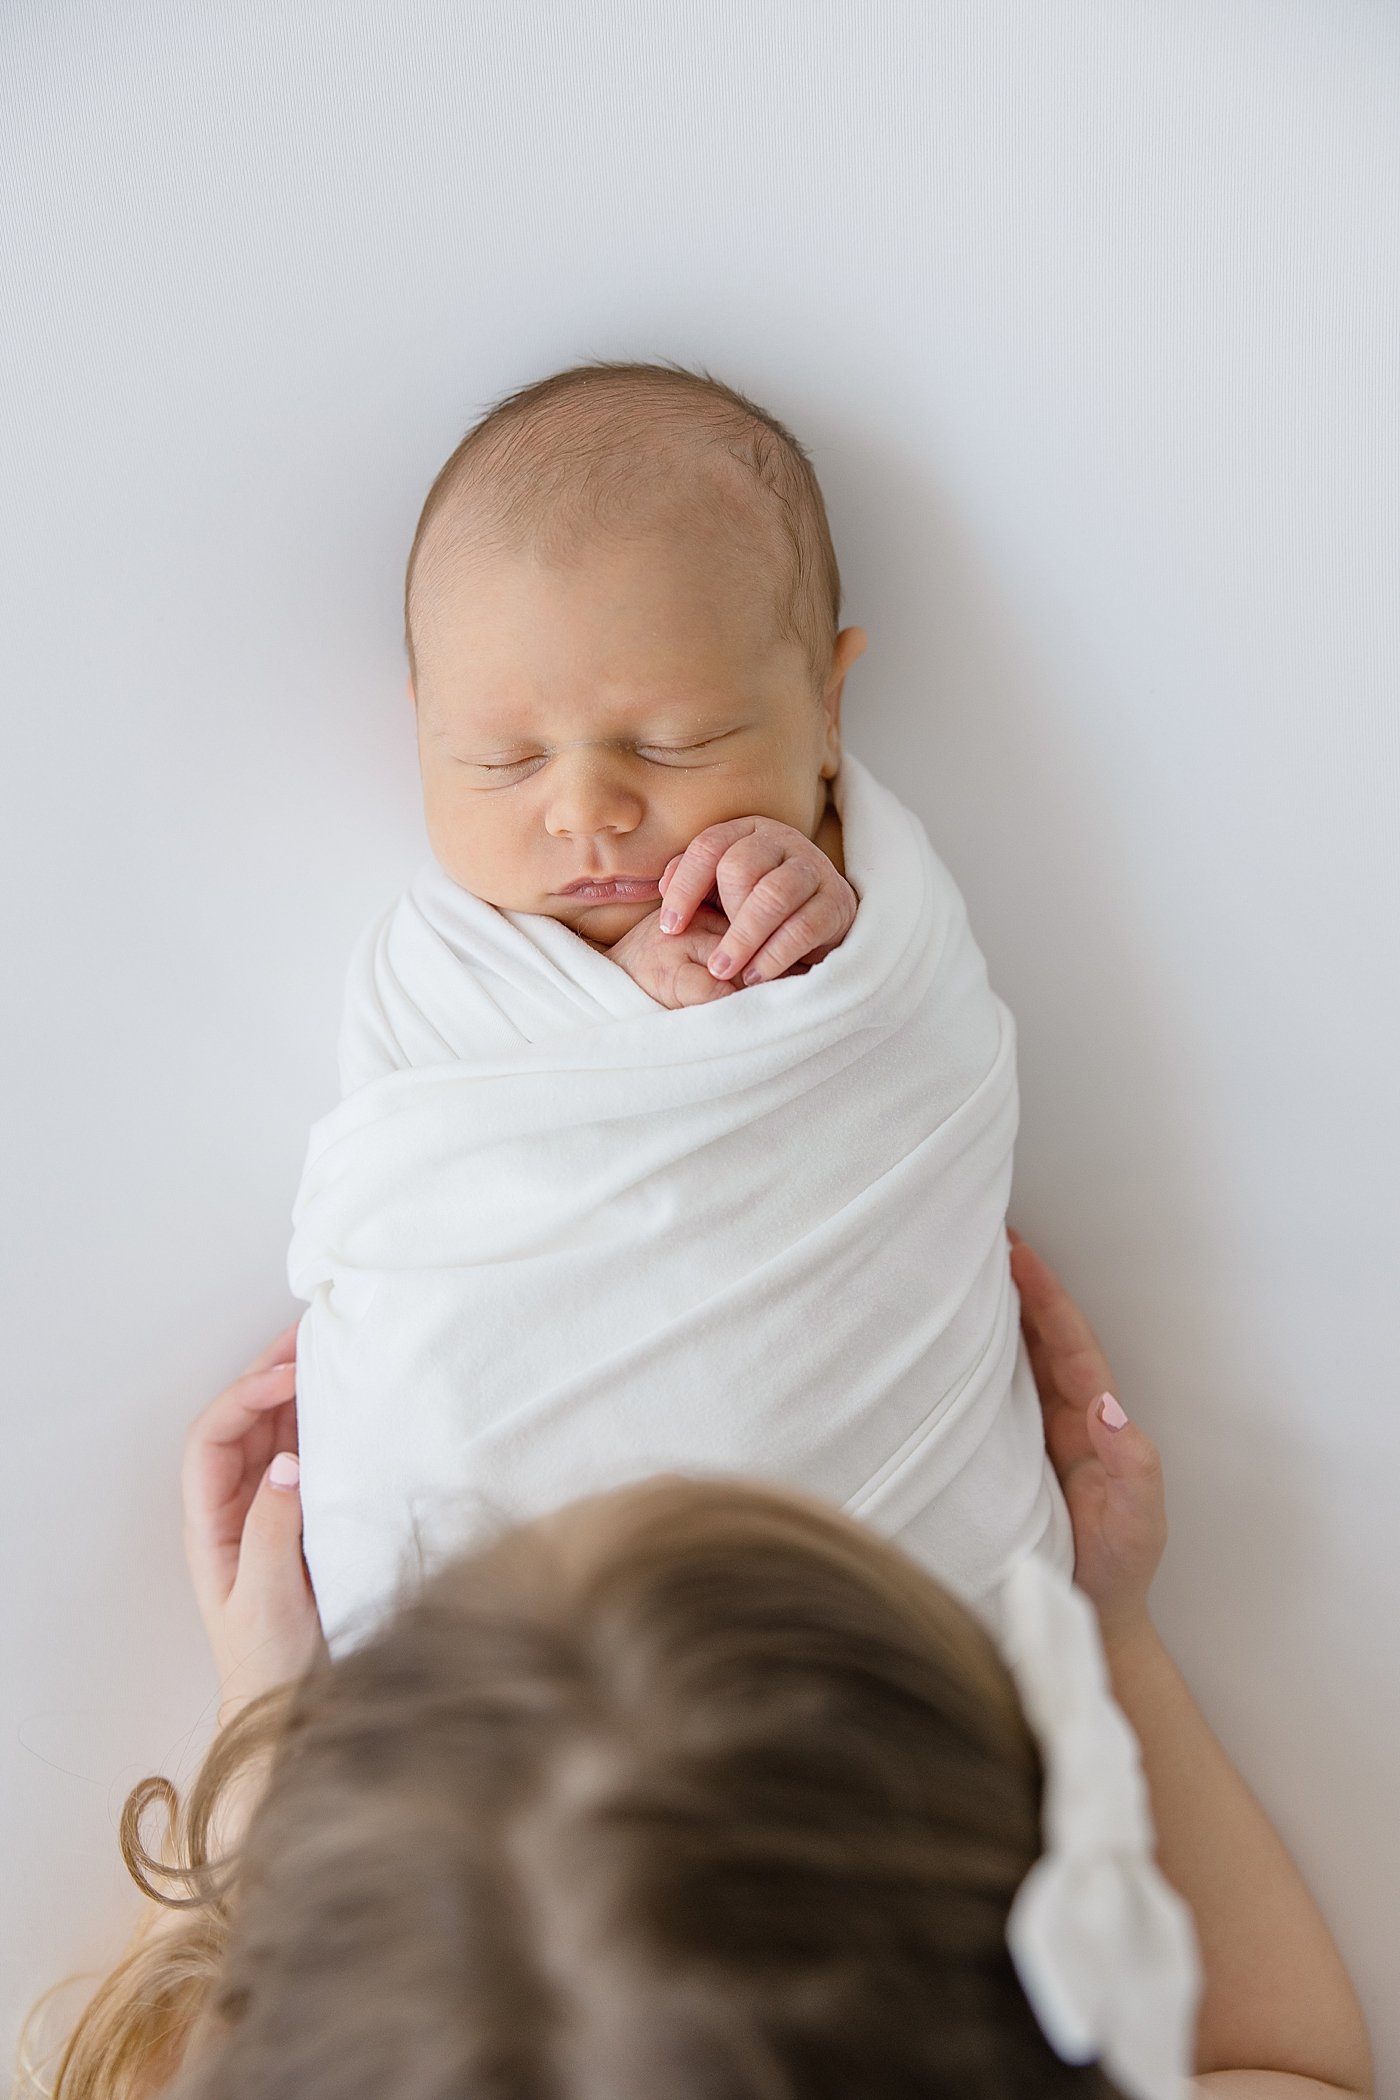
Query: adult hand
[1112, 1477]
[243, 1530]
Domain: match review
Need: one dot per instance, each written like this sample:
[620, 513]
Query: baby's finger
[695, 986]
[694, 876]
[782, 917]
[793, 949]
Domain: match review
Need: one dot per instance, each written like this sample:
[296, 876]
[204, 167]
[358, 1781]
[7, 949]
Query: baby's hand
[784, 898]
[672, 967]
[1112, 1478]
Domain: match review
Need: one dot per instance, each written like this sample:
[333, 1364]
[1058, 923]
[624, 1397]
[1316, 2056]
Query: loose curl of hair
[726, 1799]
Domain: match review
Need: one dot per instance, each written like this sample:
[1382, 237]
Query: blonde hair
[732, 1803]
[583, 452]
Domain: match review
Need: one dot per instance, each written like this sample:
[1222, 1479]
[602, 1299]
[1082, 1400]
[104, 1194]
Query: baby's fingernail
[721, 964]
[670, 920]
[285, 1470]
[1110, 1413]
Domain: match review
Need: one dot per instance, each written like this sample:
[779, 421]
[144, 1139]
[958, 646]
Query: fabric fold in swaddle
[556, 1236]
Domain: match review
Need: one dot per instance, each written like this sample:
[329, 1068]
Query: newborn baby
[668, 1140]
[581, 725]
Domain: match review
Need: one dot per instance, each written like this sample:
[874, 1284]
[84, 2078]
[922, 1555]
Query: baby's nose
[590, 789]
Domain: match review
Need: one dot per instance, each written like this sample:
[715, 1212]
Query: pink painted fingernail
[285, 1470]
[670, 920]
[1110, 1413]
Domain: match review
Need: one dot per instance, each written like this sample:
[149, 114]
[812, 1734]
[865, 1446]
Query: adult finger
[225, 1447]
[232, 1413]
[1127, 1453]
[1035, 1347]
[281, 1350]
[1067, 1344]
[1132, 1515]
[273, 1522]
[269, 1626]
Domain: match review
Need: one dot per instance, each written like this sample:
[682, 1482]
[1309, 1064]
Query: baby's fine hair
[604, 449]
[729, 1805]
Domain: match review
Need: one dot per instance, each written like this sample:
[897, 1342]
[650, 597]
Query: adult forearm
[1276, 1994]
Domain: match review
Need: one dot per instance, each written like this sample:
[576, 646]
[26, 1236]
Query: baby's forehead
[660, 622]
[696, 510]
[649, 613]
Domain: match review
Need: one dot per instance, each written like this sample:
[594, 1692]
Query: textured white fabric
[1105, 1949]
[556, 1236]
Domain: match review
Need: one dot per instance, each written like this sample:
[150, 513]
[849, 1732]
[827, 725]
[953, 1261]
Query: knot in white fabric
[1105, 1949]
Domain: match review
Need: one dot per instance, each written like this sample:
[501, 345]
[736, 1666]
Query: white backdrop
[1088, 315]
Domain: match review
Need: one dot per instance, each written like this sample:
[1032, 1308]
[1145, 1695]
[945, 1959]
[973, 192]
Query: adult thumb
[272, 1527]
[1126, 1452]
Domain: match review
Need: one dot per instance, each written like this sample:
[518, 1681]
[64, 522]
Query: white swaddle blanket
[557, 1236]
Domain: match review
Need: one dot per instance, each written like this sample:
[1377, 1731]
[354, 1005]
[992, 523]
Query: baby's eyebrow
[503, 745]
[666, 721]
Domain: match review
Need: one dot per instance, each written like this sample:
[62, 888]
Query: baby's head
[621, 614]
[698, 1787]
